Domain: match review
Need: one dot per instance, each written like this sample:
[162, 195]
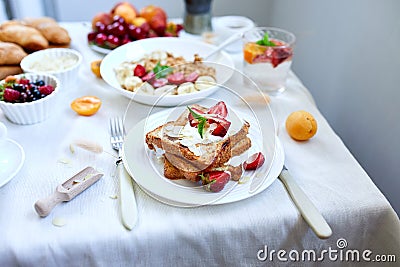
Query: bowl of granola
[166, 71]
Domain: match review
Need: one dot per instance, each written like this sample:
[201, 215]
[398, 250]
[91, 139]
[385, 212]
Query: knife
[129, 212]
[307, 209]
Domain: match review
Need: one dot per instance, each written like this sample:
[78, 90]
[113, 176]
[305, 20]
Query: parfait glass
[268, 54]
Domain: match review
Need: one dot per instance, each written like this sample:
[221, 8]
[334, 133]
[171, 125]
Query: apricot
[301, 125]
[125, 10]
[95, 67]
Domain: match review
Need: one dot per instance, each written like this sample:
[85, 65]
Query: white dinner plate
[276, 169]
[12, 158]
[222, 62]
[146, 168]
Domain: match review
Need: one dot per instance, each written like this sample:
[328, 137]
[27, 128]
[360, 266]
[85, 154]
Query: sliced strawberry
[150, 75]
[215, 181]
[219, 109]
[193, 122]
[222, 126]
[46, 89]
[11, 95]
[280, 54]
[192, 77]
[176, 78]
[254, 162]
[139, 71]
[159, 82]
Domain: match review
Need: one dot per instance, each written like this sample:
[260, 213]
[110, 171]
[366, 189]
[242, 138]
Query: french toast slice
[181, 162]
[174, 173]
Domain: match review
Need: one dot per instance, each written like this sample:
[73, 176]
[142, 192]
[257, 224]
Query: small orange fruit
[95, 67]
[301, 125]
[86, 105]
[252, 50]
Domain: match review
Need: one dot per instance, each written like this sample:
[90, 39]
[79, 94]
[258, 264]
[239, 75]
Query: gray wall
[347, 55]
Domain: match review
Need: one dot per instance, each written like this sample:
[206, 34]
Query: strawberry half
[11, 95]
[219, 109]
[139, 71]
[254, 162]
[222, 126]
[215, 181]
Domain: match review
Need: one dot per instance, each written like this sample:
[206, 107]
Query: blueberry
[18, 87]
[39, 83]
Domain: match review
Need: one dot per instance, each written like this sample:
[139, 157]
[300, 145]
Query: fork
[129, 212]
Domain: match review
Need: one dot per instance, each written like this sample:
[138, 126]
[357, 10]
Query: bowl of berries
[28, 98]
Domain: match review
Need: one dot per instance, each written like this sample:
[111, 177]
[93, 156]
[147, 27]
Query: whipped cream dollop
[190, 137]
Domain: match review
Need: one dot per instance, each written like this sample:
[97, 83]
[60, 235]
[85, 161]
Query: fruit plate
[99, 49]
[222, 62]
[146, 167]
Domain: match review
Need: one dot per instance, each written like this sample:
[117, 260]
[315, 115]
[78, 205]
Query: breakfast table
[265, 229]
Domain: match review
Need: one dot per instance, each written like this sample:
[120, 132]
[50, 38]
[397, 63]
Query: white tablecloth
[227, 235]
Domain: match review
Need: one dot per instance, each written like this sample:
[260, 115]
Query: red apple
[156, 17]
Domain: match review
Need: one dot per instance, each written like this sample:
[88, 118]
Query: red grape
[113, 41]
[100, 39]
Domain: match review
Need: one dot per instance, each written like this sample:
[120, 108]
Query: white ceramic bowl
[48, 61]
[222, 62]
[35, 111]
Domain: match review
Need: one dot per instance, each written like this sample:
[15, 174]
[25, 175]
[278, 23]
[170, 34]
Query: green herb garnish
[202, 121]
[161, 71]
[265, 41]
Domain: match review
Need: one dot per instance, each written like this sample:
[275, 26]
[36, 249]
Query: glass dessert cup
[268, 56]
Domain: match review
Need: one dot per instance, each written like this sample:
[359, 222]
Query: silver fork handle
[129, 212]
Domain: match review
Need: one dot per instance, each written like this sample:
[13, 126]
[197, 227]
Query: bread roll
[27, 37]
[50, 29]
[9, 70]
[11, 54]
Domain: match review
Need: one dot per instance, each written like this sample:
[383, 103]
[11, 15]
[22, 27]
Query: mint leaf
[265, 41]
[161, 71]
[202, 121]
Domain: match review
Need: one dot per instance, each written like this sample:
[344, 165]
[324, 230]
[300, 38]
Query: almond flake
[59, 221]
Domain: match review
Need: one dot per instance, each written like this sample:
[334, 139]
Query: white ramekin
[67, 77]
[35, 111]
